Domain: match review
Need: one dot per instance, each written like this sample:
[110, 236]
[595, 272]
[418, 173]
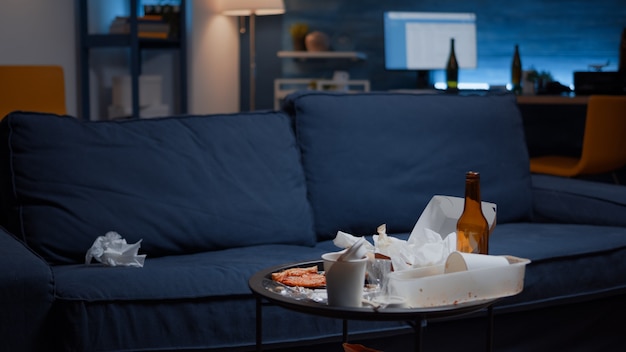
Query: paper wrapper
[433, 237]
[431, 249]
[112, 250]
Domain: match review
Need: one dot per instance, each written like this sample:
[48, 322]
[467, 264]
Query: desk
[552, 100]
[553, 124]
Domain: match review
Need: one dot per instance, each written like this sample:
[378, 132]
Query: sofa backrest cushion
[378, 158]
[182, 184]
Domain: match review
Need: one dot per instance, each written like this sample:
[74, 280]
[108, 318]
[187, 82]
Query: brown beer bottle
[452, 69]
[472, 229]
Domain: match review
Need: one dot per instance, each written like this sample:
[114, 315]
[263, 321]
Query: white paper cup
[344, 280]
[460, 261]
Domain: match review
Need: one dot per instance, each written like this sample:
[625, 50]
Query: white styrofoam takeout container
[431, 287]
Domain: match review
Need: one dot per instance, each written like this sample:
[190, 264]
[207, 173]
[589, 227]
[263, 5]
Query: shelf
[134, 43]
[121, 40]
[349, 55]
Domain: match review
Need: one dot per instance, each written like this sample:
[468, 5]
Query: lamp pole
[251, 8]
[252, 61]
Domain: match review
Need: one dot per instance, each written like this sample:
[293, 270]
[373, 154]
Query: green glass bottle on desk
[621, 68]
[516, 72]
[452, 70]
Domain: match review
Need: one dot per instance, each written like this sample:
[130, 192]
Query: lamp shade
[249, 7]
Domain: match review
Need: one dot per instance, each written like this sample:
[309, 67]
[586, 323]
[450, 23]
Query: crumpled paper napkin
[112, 250]
[426, 250]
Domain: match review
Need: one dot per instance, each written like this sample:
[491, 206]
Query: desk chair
[604, 142]
[32, 88]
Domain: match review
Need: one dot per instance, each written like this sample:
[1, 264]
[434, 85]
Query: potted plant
[539, 79]
[298, 32]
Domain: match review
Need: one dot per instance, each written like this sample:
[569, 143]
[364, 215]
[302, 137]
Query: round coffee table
[263, 287]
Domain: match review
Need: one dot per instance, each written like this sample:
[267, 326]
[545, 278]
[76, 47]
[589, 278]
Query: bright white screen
[421, 40]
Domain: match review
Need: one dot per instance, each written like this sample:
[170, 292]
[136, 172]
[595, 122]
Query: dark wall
[559, 36]
[268, 42]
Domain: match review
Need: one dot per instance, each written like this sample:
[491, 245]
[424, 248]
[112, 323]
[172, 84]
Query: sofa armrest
[565, 200]
[26, 294]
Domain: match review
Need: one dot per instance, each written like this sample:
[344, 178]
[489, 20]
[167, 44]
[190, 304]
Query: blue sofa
[217, 198]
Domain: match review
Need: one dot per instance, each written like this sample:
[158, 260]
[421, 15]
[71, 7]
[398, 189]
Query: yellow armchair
[36, 88]
[604, 142]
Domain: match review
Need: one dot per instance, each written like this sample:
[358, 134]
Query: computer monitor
[420, 41]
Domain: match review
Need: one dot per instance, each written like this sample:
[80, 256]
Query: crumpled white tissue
[426, 250]
[345, 240]
[431, 248]
[112, 250]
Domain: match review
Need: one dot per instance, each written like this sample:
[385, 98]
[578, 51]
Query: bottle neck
[472, 191]
[622, 53]
[452, 54]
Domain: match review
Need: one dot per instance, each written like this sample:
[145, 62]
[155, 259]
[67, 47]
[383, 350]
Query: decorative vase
[317, 41]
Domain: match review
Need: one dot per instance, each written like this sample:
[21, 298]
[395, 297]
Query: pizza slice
[308, 277]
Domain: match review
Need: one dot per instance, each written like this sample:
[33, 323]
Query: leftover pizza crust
[308, 277]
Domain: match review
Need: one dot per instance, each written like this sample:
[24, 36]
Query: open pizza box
[430, 286]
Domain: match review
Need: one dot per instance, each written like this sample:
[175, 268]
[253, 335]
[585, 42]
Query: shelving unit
[304, 55]
[135, 45]
[286, 86]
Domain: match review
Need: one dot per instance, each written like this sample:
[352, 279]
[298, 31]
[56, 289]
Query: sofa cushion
[108, 306]
[210, 306]
[182, 184]
[569, 262]
[360, 151]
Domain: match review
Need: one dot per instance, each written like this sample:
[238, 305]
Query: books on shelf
[149, 26]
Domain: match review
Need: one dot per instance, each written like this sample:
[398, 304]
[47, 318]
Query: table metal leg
[259, 325]
[344, 336]
[418, 332]
[490, 328]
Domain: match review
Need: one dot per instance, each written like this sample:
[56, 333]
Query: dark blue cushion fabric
[190, 301]
[211, 305]
[565, 200]
[379, 158]
[26, 295]
[569, 262]
[183, 184]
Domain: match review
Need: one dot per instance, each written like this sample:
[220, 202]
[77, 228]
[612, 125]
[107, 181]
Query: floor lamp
[252, 8]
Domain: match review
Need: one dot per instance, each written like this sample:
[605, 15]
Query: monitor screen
[421, 40]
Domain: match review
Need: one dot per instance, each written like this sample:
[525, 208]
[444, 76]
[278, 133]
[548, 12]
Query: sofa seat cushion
[182, 184]
[199, 300]
[199, 275]
[183, 302]
[569, 263]
[360, 151]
